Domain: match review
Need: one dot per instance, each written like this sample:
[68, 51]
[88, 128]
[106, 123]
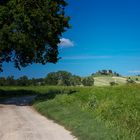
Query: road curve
[18, 122]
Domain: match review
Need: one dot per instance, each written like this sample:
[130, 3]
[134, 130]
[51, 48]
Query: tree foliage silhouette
[30, 31]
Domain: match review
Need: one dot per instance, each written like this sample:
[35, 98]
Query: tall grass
[98, 113]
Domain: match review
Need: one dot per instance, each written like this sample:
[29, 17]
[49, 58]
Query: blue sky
[105, 34]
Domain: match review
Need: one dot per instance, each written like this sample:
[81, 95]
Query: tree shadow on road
[17, 97]
[28, 97]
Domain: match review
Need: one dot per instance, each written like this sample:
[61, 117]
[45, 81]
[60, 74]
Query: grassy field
[105, 80]
[90, 113]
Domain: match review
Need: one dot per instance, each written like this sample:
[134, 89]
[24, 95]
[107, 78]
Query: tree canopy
[30, 31]
[59, 78]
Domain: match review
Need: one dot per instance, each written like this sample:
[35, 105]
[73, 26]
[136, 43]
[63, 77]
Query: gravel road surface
[18, 121]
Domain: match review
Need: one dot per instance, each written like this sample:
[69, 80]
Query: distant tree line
[22, 81]
[60, 78]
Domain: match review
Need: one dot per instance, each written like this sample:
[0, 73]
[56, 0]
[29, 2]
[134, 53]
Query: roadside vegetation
[109, 113]
[100, 113]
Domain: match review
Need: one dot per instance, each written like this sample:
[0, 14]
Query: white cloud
[134, 71]
[86, 57]
[65, 43]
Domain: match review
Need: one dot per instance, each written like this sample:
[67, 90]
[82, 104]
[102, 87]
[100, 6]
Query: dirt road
[21, 122]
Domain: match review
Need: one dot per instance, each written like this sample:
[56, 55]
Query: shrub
[112, 83]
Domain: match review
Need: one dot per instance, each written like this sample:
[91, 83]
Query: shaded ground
[19, 101]
[18, 121]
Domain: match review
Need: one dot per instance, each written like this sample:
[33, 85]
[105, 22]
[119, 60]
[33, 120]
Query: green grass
[105, 113]
[91, 113]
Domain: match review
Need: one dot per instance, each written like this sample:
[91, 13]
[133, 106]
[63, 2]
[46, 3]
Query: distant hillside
[135, 78]
[106, 80]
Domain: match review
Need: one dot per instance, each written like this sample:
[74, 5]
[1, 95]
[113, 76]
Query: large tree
[88, 81]
[30, 31]
[58, 78]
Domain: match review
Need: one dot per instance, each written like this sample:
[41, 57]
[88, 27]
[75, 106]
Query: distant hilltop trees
[106, 73]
